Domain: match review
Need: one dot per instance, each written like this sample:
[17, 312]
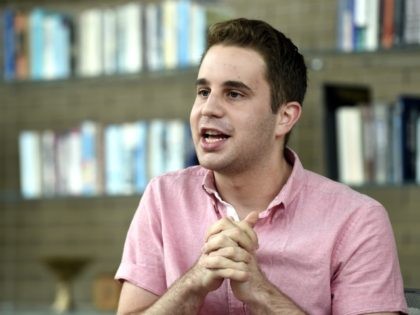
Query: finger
[218, 241]
[230, 238]
[252, 218]
[237, 254]
[219, 226]
[244, 226]
[220, 262]
[232, 274]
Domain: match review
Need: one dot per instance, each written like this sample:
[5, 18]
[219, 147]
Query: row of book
[379, 143]
[91, 159]
[131, 37]
[369, 25]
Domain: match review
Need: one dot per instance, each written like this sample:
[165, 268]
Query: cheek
[194, 117]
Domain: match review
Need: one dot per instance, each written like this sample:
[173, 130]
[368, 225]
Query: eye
[235, 94]
[203, 92]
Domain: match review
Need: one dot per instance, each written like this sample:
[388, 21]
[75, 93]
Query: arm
[180, 298]
[185, 296]
[133, 297]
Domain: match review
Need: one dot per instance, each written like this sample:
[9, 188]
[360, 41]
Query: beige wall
[96, 227]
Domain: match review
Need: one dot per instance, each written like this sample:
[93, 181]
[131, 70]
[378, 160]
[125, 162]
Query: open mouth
[212, 136]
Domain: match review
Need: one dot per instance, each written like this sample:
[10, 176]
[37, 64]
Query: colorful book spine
[114, 167]
[30, 164]
[350, 145]
[153, 42]
[110, 49]
[9, 44]
[140, 157]
[197, 30]
[36, 44]
[183, 34]
[90, 43]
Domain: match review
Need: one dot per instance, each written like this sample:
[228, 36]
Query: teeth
[212, 133]
[213, 140]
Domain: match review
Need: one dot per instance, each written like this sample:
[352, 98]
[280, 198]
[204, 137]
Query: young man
[250, 231]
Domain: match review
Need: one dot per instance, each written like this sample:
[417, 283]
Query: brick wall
[96, 227]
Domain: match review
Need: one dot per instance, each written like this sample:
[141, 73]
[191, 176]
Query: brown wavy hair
[286, 70]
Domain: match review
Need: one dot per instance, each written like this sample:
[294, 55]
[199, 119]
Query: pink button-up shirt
[327, 247]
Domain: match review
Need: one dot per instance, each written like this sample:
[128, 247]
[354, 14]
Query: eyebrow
[229, 83]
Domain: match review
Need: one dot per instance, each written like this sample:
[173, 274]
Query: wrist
[268, 299]
[193, 282]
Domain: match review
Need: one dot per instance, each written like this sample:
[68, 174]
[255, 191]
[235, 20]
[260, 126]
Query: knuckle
[235, 233]
[230, 251]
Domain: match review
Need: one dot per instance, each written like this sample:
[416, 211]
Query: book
[30, 164]
[372, 27]
[157, 148]
[407, 111]
[360, 23]
[382, 144]
[62, 162]
[130, 50]
[350, 145]
[114, 167]
[388, 27]
[73, 168]
[346, 34]
[197, 30]
[418, 150]
[399, 21]
[154, 37]
[48, 167]
[411, 22]
[90, 159]
[368, 142]
[2, 48]
[130, 142]
[49, 54]
[175, 138]
[170, 35]
[109, 41]
[9, 44]
[140, 156]
[21, 45]
[134, 29]
[62, 42]
[36, 43]
[183, 24]
[90, 43]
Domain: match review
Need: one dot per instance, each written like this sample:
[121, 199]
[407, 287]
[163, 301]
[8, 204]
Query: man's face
[232, 124]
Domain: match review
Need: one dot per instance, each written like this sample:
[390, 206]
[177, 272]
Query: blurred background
[95, 98]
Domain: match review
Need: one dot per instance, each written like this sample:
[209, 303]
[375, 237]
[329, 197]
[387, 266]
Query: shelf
[12, 198]
[144, 76]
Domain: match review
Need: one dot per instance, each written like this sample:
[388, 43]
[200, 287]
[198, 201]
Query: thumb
[252, 218]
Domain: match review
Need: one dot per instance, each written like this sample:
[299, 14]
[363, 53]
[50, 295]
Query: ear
[287, 116]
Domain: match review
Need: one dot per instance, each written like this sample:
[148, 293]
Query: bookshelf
[97, 225]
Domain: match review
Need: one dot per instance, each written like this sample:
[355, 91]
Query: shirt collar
[293, 184]
[285, 196]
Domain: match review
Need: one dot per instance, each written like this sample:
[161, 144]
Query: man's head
[286, 71]
[248, 97]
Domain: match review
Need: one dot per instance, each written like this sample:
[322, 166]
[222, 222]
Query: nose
[212, 106]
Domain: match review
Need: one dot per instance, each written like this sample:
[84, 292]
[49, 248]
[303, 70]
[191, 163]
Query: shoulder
[191, 175]
[332, 192]
[174, 185]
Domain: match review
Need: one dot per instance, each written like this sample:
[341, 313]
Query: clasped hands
[229, 253]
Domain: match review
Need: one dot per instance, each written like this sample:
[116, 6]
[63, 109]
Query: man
[250, 231]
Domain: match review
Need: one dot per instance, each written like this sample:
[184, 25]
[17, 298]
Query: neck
[253, 190]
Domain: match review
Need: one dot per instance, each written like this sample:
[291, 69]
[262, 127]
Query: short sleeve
[142, 259]
[366, 272]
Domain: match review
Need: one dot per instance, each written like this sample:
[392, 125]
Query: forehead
[233, 63]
